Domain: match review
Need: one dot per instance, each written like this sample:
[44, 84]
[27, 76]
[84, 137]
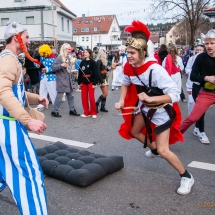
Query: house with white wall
[97, 31]
[44, 19]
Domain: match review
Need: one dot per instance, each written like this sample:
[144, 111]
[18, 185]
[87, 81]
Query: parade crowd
[150, 82]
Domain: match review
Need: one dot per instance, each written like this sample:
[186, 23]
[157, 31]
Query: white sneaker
[94, 116]
[196, 132]
[185, 185]
[149, 154]
[203, 138]
[85, 116]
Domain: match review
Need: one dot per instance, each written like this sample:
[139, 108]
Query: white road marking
[65, 141]
[202, 165]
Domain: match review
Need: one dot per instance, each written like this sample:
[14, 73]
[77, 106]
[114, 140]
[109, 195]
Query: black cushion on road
[77, 167]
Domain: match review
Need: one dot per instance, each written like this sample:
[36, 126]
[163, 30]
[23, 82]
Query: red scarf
[128, 68]
[131, 100]
[170, 66]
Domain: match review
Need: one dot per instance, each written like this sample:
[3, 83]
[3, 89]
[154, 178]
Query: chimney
[83, 17]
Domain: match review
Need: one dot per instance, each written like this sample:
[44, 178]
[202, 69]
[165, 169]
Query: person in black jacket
[163, 52]
[87, 81]
[203, 72]
[103, 80]
[33, 73]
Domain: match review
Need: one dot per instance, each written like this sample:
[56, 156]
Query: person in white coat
[174, 65]
[193, 89]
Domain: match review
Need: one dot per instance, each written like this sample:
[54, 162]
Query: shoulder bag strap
[150, 78]
[147, 88]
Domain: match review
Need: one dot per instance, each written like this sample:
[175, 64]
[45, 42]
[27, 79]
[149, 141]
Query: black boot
[102, 109]
[98, 102]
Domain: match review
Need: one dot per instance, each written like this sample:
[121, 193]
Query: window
[95, 29]
[83, 30]
[62, 23]
[95, 38]
[30, 20]
[87, 22]
[91, 21]
[4, 21]
[82, 38]
[87, 38]
[170, 36]
[113, 29]
[79, 22]
[68, 25]
[17, 1]
[99, 21]
[75, 29]
[87, 29]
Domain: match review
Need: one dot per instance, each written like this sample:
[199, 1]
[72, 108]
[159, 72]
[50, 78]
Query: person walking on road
[193, 89]
[103, 80]
[148, 82]
[203, 72]
[20, 169]
[87, 81]
[62, 67]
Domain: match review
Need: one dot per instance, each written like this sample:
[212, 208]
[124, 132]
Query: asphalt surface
[145, 186]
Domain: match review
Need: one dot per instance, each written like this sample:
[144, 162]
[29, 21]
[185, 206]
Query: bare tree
[190, 11]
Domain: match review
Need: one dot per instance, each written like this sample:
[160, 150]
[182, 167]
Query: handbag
[34, 113]
[103, 72]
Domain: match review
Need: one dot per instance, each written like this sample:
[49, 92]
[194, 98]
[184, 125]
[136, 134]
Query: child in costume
[158, 118]
[47, 76]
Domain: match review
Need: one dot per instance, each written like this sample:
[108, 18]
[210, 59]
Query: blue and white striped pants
[20, 169]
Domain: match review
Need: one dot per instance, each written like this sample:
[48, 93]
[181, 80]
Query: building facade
[97, 31]
[44, 19]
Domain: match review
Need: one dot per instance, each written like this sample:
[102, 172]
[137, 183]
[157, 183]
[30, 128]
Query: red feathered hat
[138, 27]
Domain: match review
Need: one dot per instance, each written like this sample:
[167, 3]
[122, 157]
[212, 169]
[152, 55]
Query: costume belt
[86, 76]
[103, 72]
[7, 118]
[207, 90]
[155, 106]
[171, 113]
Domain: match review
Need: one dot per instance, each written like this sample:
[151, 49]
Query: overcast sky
[126, 10]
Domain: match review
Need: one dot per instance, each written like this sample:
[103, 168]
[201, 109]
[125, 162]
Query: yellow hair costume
[45, 50]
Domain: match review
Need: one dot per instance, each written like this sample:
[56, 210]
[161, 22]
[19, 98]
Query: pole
[53, 26]
[42, 25]
[111, 41]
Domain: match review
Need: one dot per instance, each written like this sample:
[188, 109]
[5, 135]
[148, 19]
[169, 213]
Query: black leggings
[200, 124]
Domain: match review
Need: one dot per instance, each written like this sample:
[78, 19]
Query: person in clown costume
[47, 76]
[157, 120]
[20, 169]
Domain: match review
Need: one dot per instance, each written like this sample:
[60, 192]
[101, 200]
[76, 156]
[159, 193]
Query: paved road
[143, 187]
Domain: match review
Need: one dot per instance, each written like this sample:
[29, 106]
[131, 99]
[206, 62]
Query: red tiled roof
[154, 37]
[103, 23]
[210, 9]
[64, 7]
